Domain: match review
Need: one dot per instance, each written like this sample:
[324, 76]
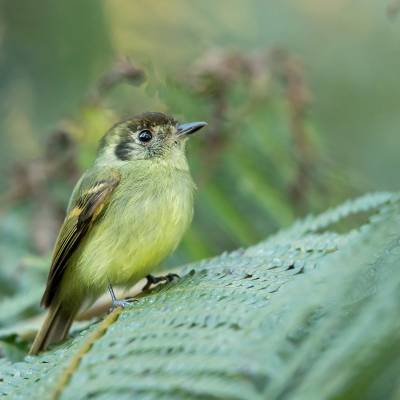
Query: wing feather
[84, 211]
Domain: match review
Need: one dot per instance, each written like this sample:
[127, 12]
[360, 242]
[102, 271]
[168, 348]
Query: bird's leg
[152, 280]
[118, 303]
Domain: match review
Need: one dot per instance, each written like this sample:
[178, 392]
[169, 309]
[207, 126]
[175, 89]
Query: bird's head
[151, 135]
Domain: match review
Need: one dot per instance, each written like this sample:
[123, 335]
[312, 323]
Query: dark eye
[145, 136]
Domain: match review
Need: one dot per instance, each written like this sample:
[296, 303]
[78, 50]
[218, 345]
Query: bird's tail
[55, 327]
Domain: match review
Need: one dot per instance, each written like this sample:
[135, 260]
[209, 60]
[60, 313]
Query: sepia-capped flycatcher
[126, 214]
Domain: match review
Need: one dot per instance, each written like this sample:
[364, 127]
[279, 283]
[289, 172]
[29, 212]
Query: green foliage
[311, 312]
[313, 309]
[258, 157]
[257, 165]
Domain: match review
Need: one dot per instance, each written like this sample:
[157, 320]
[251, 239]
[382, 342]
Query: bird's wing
[88, 202]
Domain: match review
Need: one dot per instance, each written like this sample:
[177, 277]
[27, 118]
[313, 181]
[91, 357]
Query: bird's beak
[189, 128]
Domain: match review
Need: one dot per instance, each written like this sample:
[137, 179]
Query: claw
[121, 303]
[152, 280]
[118, 303]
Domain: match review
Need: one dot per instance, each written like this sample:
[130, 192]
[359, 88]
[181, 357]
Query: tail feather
[54, 329]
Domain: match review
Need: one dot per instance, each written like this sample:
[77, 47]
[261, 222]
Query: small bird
[126, 214]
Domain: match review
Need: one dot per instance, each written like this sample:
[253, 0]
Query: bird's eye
[145, 136]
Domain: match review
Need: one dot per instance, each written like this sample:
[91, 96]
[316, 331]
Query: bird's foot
[115, 303]
[121, 303]
[153, 280]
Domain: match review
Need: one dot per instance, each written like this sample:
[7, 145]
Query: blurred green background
[301, 97]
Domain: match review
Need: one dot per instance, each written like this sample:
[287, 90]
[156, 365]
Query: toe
[172, 276]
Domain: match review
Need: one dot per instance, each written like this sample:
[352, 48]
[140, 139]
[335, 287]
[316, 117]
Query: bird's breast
[143, 224]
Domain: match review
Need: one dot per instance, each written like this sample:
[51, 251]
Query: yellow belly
[142, 225]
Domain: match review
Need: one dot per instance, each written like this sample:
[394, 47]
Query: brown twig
[123, 70]
[213, 76]
[32, 181]
[393, 9]
[298, 96]
[76, 359]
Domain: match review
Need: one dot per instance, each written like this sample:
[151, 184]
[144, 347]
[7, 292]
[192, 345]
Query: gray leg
[118, 303]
